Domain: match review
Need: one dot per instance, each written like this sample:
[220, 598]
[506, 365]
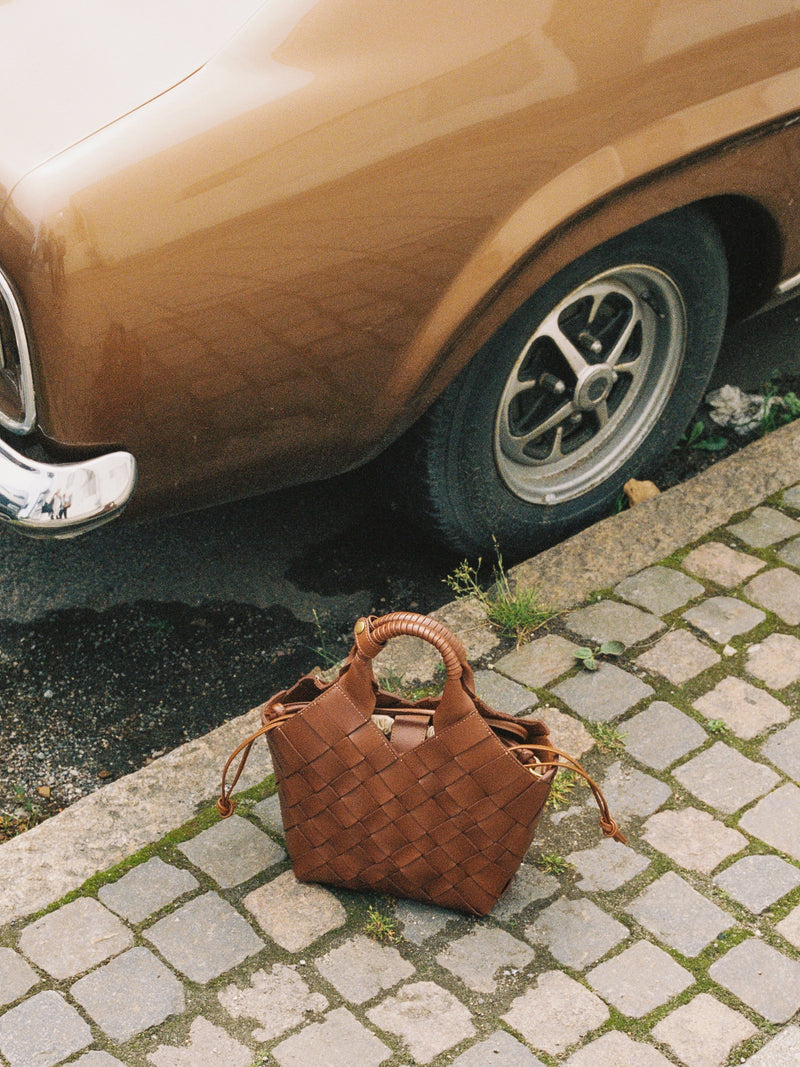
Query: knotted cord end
[226, 807]
[611, 829]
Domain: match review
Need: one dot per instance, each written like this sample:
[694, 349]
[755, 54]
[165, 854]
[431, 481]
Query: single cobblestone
[765, 526]
[501, 1050]
[421, 921]
[207, 1046]
[278, 1001]
[703, 1032]
[678, 915]
[566, 732]
[758, 881]
[777, 591]
[781, 1051]
[724, 617]
[790, 927]
[608, 620]
[775, 661]
[776, 820]
[269, 812]
[345, 1041]
[130, 994]
[528, 885]
[725, 779]
[576, 932]
[631, 792]
[725, 566]
[42, 1031]
[16, 976]
[503, 694]
[294, 914]
[678, 656]
[146, 889]
[783, 749]
[602, 695]
[232, 851]
[747, 710]
[607, 866]
[761, 977]
[408, 1015]
[482, 957]
[640, 979]
[74, 938]
[661, 734]
[540, 662]
[204, 938]
[660, 590]
[693, 839]
[790, 553]
[556, 1013]
[360, 969]
[615, 1049]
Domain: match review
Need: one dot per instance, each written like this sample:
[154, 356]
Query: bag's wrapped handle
[372, 634]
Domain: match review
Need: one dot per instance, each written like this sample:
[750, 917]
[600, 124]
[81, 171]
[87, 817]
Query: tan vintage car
[245, 245]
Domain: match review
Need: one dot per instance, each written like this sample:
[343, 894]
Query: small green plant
[513, 612]
[778, 410]
[552, 863]
[700, 438]
[607, 737]
[561, 790]
[717, 726]
[589, 656]
[381, 927]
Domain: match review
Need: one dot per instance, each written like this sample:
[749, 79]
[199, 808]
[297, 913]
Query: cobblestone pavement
[681, 947]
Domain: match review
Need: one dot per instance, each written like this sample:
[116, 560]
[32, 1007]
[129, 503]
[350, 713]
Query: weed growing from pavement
[381, 926]
[607, 737]
[553, 863]
[561, 790]
[589, 656]
[512, 611]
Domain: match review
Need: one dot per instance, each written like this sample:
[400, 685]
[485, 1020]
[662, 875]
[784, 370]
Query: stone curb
[42, 865]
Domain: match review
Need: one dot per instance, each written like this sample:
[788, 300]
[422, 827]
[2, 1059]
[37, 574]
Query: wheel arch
[743, 185]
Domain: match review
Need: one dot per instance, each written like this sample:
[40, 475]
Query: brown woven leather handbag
[436, 799]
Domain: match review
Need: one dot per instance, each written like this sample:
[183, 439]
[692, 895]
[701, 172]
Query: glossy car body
[250, 245]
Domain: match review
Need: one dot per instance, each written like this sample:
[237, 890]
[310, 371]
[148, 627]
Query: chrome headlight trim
[20, 368]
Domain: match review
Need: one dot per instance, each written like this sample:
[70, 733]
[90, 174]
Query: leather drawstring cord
[608, 825]
[226, 806]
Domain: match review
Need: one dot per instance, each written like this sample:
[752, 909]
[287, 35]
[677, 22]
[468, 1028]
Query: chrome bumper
[63, 500]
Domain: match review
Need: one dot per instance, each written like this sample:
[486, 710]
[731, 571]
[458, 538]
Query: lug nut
[552, 384]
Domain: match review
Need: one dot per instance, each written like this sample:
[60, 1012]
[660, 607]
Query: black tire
[591, 382]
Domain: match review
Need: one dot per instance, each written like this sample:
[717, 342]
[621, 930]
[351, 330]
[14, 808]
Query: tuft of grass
[607, 737]
[513, 612]
[381, 927]
[778, 409]
[561, 790]
[553, 863]
[717, 726]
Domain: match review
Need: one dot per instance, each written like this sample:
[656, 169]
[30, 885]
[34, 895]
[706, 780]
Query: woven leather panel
[447, 822]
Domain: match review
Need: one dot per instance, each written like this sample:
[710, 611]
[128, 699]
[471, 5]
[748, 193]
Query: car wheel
[591, 382]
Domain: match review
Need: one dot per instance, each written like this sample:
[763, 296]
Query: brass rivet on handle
[361, 626]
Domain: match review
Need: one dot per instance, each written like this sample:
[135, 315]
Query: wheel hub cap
[590, 384]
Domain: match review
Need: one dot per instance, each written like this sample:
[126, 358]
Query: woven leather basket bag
[437, 799]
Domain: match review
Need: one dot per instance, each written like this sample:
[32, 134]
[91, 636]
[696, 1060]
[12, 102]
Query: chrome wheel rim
[589, 384]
